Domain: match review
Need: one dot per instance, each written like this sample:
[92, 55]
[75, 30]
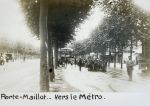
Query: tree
[44, 81]
[128, 20]
[40, 15]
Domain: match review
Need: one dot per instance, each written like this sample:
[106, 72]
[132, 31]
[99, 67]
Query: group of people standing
[96, 64]
[101, 65]
[92, 64]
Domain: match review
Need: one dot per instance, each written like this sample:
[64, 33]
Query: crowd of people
[90, 63]
[94, 64]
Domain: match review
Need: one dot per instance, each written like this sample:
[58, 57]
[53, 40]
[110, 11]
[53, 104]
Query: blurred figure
[80, 64]
[2, 59]
[75, 61]
[129, 66]
[66, 62]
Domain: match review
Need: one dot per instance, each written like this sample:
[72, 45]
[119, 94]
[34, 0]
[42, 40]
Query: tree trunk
[121, 56]
[143, 48]
[50, 57]
[131, 47]
[115, 57]
[56, 53]
[44, 82]
[109, 59]
[147, 54]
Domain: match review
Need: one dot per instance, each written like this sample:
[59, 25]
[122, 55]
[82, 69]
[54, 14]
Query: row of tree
[53, 22]
[17, 47]
[123, 25]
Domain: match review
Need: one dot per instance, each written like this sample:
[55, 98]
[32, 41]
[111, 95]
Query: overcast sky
[88, 25]
[96, 18]
[12, 21]
[144, 4]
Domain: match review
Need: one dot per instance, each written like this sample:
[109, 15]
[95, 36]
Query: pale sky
[88, 25]
[12, 23]
[144, 4]
[96, 17]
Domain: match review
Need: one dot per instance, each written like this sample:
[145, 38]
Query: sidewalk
[59, 84]
[120, 83]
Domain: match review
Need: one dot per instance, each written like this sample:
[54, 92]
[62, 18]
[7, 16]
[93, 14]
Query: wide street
[22, 76]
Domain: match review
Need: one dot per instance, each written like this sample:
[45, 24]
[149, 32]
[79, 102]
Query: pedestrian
[129, 66]
[80, 64]
[75, 61]
[66, 62]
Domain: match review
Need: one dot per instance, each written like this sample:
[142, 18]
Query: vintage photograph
[74, 46]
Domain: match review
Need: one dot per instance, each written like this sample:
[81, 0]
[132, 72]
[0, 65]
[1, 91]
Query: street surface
[87, 81]
[120, 83]
[114, 80]
[22, 76]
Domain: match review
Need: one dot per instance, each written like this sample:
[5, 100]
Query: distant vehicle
[65, 53]
[9, 56]
[65, 56]
[2, 59]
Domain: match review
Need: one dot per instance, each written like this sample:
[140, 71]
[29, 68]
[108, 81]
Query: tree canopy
[123, 21]
[63, 16]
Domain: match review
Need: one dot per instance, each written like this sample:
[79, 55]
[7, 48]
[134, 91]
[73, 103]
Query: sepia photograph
[74, 46]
